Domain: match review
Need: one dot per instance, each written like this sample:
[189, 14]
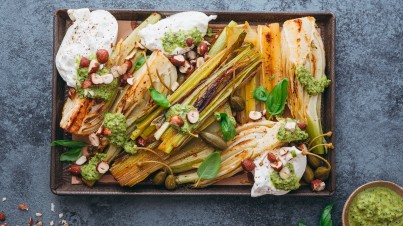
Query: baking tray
[60, 180]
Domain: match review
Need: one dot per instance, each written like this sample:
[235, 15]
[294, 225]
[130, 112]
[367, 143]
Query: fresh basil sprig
[227, 127]
[326, 216]
[210, 166]
[275, 102]
[159, 98]
[71, 155]
[140, 63]
[69, 143]
[260, 93]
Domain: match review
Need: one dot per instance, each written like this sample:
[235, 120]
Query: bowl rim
[379, 183]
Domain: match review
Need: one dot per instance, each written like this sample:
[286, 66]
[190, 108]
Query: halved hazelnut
[199, 62]
[107, 79]
[102, 56]
[318, 185]
[277, 165]
[255, 115]
[178, 60]
[192, 69]
[122, 69]
[129, 64]
[86, 83]
[176, 120]
[284, 173]
[84, 62]
[93, 67]
[81, 160]
[185, 68]
[272, 157]
[102, 167]
[193, 116]
[248, 165]
[191, 55]
[94, 140]
[96, 79]
[115, 71]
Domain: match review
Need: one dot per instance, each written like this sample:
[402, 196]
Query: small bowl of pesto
[375, 203]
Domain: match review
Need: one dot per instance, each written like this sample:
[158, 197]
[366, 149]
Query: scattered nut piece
[301, 125]
[74, 169]
[23, 206]
[60, 215]
[115, 71]
[51, 223]
[3, 199]
[272, 157]
[248, 165]
[71, 93]
[193, 116]
[255, 115]
[52, 207]
[277, 166]
[94, 139]
[102, 56]
[191, 55]
[290, 126]
[80, 161]
[30, 222]
[107, 79]
[96, 79]
[86, 83]
[141, 142]
[102, 167]
[318, 185]
[106, 132]
[130, 81]
[199, 62]
[93, 67]
[84, 62]
[39, 223]
[38, 214]
[2, 216]
[185, 68]
[176, 120]
[178, 60]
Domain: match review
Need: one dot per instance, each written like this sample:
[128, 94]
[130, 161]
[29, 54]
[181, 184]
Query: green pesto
[293, 153]
[311, 85]
[130, 147]
[89, 171]
[173, 40]
[288, 136]
[116, 122]
[376, 207]
[291, 183]
[181, 110]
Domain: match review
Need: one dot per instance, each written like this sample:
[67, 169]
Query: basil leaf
[227, 127]
[71, 155]
[69, 143]
[260, 93]
[159, 98]
[326, 217]
[275, 102]
[301, 223]
[140, 63]
[210, 166]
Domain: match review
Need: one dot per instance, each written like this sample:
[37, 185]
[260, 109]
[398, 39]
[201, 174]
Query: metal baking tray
[61, 181]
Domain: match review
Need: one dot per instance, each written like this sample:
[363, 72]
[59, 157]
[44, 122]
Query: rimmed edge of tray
[60, 187]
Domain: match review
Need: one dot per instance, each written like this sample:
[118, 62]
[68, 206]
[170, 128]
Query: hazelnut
[189, 42]
[193, 116]
[248, 165]
[84, 62]
[86, 83]
[301, 125]
[93, 67]
[23, 206]
[185, 68]
[284, 173]
[115, 71]
[199, 62]
[255, 115]
[30, 222]
[178, 60]
[318, 185]
[2, 216]
[129, 64]
[277, 166]
[71, 93]
[176, 120]
[107, 79]
[124, 78]
[74, 169]
[202, 48]
[102, 56]
[80, 161]
[94, 139]
[96, 79]
[192, 69]
[102, 167]
[272, 157]
[141, 142]
[191, 55]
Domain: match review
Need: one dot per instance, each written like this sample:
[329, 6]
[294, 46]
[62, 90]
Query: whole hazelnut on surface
[23, 206]
[2, 216]
[248, 165]
[84, 62]
[272, 157]
[189, 42]
[102, 56]
[176, 120]
[202, 49]
[318, 185]
[74, 169]
[86, 83]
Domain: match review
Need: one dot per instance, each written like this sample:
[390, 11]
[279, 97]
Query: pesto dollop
[181, 110]
[377, 206]
[288, 136]
[311, 85]
[173, 40]
[130, 147]
[291, 183]
[102, 91]
[116, 122]
[89, 171]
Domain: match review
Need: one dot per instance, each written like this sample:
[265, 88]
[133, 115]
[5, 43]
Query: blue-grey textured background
[369, 117]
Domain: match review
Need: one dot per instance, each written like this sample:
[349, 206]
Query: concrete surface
[369, 116]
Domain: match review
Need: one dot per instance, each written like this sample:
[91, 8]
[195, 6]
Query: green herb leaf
[260, 93]
[159, 98]
[140, 63]
[301, 223]
[276, 99]
[209, 32]
[71, 155]
[69, 143]
[326, 217]
[227, 127]
[210, 166]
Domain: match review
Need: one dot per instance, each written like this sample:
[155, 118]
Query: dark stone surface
[369, 117]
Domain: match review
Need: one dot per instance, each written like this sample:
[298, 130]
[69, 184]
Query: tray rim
[122, 191]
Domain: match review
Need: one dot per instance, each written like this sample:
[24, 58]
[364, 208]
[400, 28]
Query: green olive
[308, 175]
[181, 78]
[322, 173]
[213, 140]
[159, 178]
[237, 103]
[170, 182]
[314, 161]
